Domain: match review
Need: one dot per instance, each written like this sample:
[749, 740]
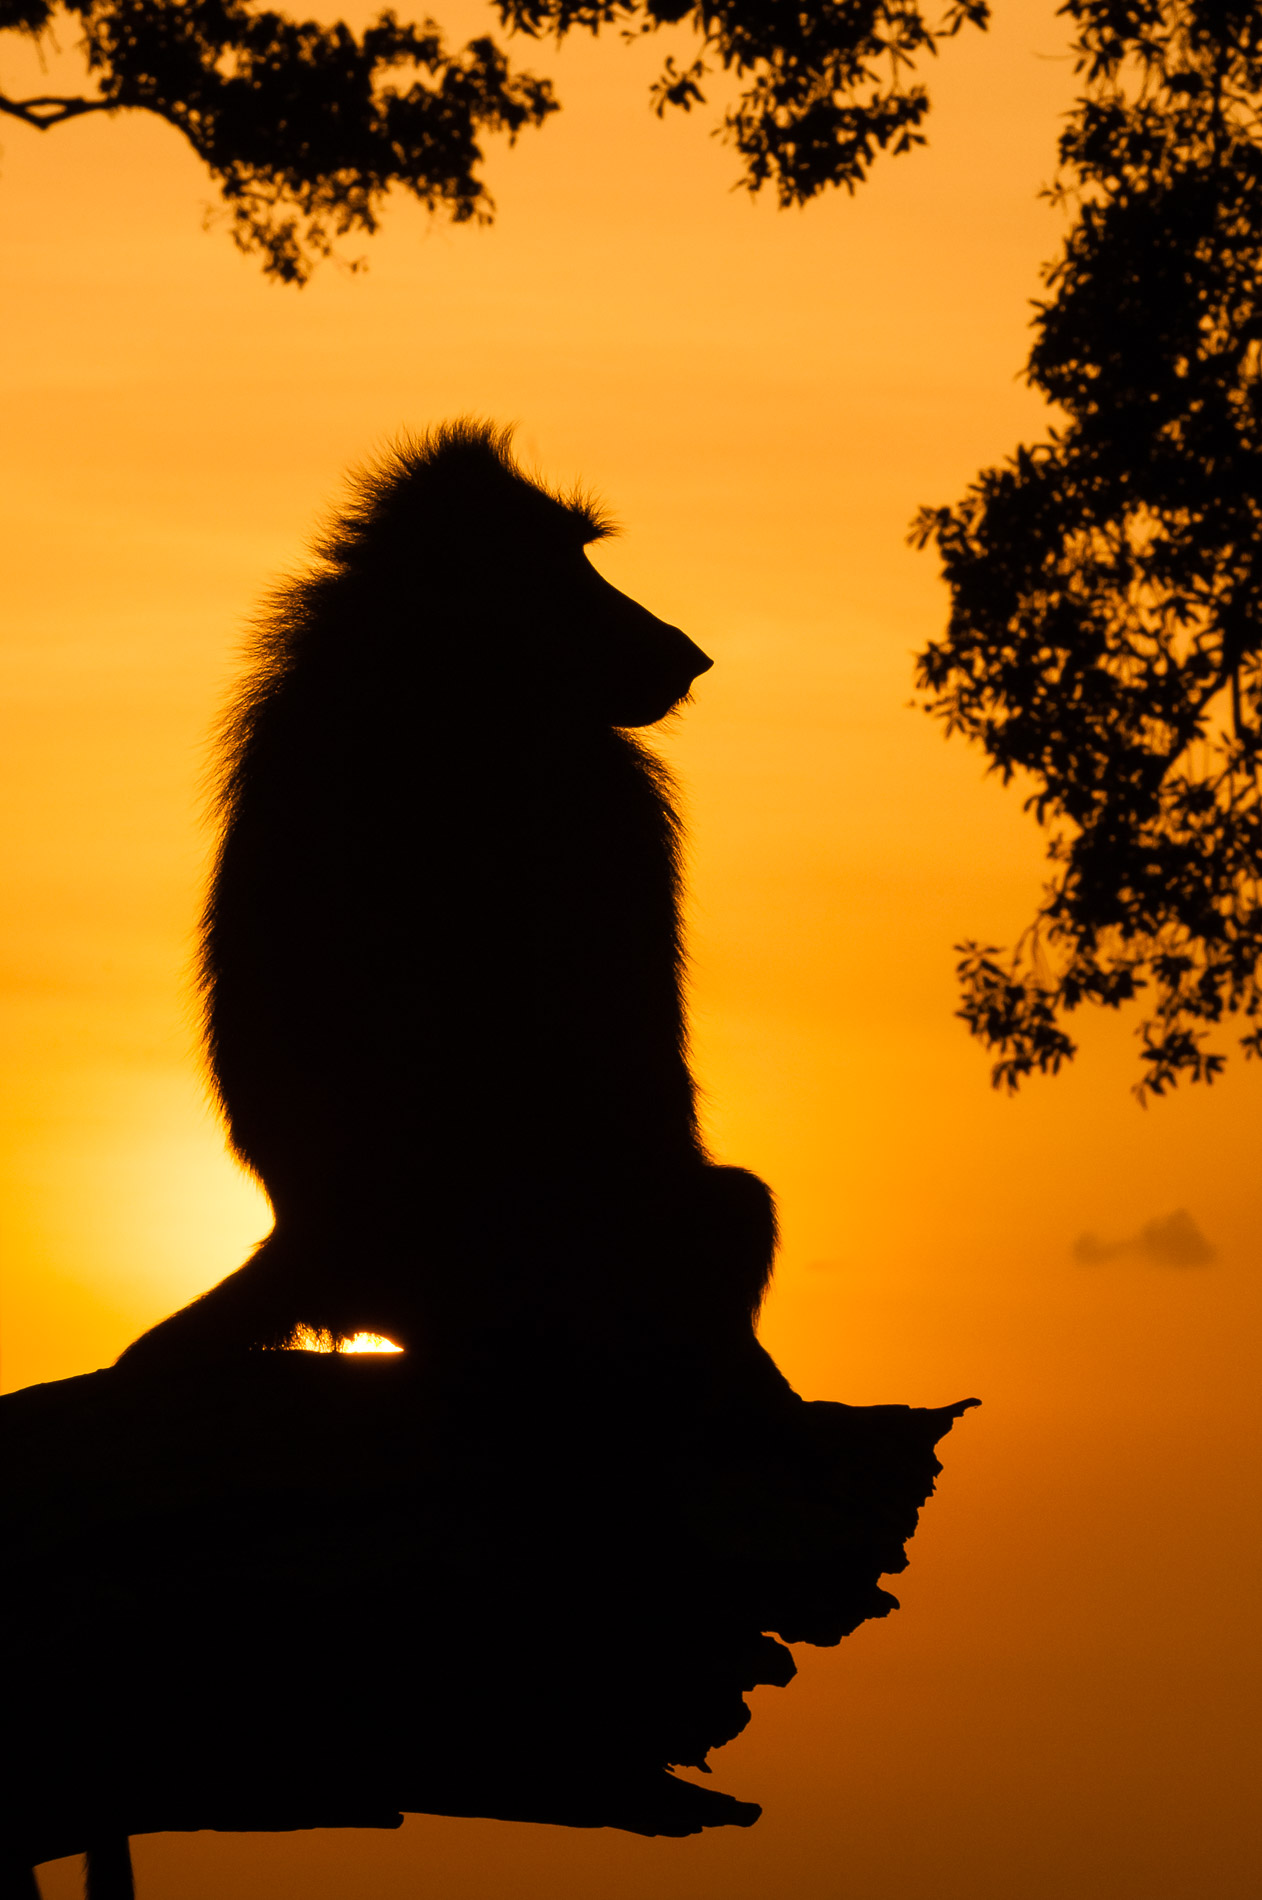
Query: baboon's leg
[107, 1870]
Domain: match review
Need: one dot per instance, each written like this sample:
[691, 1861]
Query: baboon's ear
[645, 666]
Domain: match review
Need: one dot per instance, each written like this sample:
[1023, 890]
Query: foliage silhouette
[305, 127]
[442, 955]
[828, 87]
[1107, 584]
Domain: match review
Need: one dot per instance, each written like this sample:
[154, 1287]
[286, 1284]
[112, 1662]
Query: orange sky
[763, 398]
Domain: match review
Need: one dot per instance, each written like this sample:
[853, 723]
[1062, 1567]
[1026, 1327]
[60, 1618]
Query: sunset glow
[304, 1340]
[1063, 1708]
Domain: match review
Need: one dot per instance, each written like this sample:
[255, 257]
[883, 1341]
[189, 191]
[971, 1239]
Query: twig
[41, 113]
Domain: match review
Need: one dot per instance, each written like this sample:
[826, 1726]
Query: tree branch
[302, 1589]
[41, 113]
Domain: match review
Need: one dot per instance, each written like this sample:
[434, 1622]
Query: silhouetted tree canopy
[827, 87]
[306, 127]
[1106, 584]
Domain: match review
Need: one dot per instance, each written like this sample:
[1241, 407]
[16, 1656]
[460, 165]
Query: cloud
[1175, 1241]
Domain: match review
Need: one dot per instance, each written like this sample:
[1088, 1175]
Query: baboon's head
[498, 564]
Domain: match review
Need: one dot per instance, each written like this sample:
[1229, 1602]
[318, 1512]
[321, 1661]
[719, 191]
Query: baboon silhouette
[441, 955]
[442, 968]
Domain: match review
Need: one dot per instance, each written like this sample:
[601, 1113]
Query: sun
[307, 1339]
